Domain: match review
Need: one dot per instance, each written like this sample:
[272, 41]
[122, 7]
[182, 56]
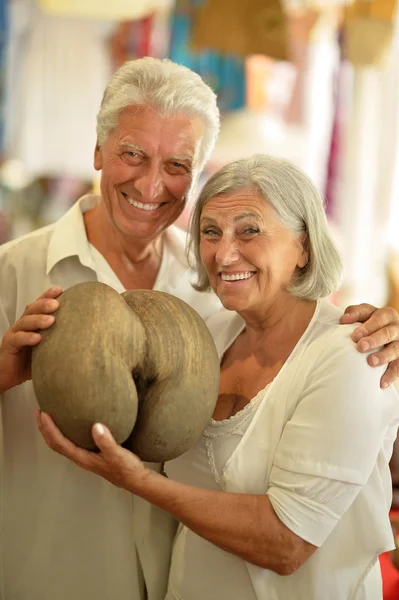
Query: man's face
[149, 163]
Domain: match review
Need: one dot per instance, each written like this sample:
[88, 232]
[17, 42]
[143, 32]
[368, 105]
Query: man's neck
[107, 240]
[135, 262]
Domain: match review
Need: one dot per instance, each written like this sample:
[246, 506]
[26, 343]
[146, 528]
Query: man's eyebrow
[134, 147]
[181, 158]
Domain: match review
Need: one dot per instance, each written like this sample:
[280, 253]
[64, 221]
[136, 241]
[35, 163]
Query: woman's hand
[119, 466]
[379, 329]
[17, 343]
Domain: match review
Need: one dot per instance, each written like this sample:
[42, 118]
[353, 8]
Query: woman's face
[250, 257]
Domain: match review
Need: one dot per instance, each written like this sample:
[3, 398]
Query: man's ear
[98, 161]
[303, 257]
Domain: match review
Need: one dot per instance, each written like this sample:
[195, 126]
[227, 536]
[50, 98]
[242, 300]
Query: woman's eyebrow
[244, 216]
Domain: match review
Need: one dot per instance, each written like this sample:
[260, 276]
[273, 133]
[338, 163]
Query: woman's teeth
[236, 276]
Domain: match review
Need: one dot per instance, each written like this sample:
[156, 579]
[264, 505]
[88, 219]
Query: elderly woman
[286, 494]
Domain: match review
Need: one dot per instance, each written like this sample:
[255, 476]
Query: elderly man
[66, 534]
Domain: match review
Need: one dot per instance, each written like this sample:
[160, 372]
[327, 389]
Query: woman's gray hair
[299, 207]
[166, 87]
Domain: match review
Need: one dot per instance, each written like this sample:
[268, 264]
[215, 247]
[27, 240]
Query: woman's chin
[231, 303]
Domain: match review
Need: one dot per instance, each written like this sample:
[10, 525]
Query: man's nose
[150, 183]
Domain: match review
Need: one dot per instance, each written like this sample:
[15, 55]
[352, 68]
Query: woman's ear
[303, 257]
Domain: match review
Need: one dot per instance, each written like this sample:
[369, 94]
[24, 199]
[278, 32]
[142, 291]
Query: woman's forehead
[240, 204]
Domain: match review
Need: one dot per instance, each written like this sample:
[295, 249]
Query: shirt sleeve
[330, 446]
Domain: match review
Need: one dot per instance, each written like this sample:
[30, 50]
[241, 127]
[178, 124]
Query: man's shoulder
[27, 246]
[177, 240]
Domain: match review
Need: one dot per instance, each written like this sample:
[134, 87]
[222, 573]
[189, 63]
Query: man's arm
[378, 333]
[18, 340]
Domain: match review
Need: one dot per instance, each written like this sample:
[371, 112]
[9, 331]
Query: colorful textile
[224, 73]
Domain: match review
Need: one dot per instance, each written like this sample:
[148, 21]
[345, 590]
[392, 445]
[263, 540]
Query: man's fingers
[391, 374]
[41, 306]
[52, 292]
[386, 355]
[383, 318]
[385, 336]
[14, 343]
[357, 313]
[46, 303]
[33, 323]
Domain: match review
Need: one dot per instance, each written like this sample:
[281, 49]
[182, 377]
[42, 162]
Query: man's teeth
[141, 205]
[235, 276]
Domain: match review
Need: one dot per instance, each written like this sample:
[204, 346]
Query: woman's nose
[227, 252]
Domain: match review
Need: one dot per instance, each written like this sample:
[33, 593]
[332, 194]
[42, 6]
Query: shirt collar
[69, 235]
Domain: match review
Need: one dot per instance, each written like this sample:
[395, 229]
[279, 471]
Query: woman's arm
[243, 524]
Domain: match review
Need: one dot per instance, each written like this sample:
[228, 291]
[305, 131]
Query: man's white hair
[297, 204]
[168, 88]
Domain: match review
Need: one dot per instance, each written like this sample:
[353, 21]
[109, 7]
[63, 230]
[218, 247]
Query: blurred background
[316, 82]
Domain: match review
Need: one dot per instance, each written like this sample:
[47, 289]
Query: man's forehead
[171, 129]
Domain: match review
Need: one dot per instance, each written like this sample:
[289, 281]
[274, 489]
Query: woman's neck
[280, 326]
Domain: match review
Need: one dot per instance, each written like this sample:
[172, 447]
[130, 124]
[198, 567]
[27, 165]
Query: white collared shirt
[66, 533]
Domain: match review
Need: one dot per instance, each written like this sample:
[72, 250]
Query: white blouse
[202, 466]
[319, 445]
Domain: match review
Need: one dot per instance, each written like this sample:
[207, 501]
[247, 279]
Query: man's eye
[177, 167]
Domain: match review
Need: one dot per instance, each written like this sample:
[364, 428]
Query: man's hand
[16, 347]
[379, 329]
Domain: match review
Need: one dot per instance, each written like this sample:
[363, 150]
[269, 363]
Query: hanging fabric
[243, 27]
[369, 27]
[3, 43]
[131, 40]
[224, 73]
[120, 10]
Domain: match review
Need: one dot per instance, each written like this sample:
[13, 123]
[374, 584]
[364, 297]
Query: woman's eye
[210, 232]
[251, 231]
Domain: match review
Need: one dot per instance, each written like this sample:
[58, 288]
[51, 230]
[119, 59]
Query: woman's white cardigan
[319, 446]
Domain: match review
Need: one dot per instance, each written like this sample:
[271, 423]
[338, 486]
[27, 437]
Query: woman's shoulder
[225, 326]
[327, 332]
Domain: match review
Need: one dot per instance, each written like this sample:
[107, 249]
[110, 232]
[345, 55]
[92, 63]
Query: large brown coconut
[143, 363]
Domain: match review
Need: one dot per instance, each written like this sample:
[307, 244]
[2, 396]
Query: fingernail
[48, 319]
[99, 429]
[357, 336]
[364, 345]
[385, 385]
[52, 304]
[374, 360]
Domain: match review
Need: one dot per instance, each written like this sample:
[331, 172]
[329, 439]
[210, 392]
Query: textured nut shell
[180, 385]
[143, 363]
[82, 368]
